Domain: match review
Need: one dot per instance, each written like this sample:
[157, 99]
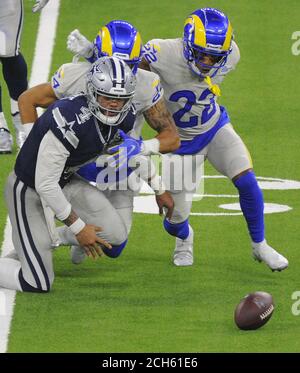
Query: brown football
[254, 310]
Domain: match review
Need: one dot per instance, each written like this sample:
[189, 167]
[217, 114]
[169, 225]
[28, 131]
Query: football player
[13, 65]
[191, 69]
[72, 132]
[121, 39]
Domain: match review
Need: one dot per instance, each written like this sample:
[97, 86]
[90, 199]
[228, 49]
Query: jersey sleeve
[149, 90]
[69, 79]
[64, 126]
[154, 56]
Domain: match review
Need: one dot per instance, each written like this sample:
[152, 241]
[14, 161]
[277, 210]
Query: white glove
[79, 44]
[39, 5]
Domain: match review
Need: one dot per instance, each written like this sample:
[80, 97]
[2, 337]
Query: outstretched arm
[159, 119]
[41, 95]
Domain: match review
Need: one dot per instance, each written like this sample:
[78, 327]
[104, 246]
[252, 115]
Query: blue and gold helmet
[119, 39]
[207, 31]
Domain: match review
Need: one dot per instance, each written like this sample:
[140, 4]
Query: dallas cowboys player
[190, 70]
[121, 39]
[13, 64]
[70, 133]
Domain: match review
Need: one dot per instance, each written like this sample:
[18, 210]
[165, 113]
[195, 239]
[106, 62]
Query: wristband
[157, 185]
[150, 147]
[77, 226]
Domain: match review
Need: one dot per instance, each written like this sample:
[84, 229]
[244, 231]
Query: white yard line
[39, 74]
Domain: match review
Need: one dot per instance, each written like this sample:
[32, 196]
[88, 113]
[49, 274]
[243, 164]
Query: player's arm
[159, 119]
[144, 65]
[51, 161]
[147, 172]
[41, 95]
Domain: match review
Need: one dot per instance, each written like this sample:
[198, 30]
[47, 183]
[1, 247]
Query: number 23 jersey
[190, 101]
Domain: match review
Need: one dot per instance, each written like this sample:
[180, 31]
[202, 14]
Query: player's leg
[33, 271]
[15, 75]
[6, 140]
[13, 64]
[122, 201]
[94, 208]
[229, 155]
[176, 178]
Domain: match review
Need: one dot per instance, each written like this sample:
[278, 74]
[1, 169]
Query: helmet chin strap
[110, 121]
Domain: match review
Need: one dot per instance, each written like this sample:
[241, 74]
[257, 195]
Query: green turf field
[140, 302]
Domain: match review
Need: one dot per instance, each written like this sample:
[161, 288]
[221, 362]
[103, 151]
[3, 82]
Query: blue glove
[121, 153]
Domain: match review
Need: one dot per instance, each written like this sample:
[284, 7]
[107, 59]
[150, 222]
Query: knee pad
[180, 230]
[115, 251]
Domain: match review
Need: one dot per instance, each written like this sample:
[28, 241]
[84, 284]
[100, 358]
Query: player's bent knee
[116, 250]
[246, 181]
[26, 287]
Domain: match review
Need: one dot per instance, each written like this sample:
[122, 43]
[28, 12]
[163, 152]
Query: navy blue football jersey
[76, 128]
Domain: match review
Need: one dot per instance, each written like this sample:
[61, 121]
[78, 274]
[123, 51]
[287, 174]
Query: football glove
[79, 44]
[39, 5]
[126, 148]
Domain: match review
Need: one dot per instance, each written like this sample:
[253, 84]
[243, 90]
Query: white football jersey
[194, 107]
[70, 79]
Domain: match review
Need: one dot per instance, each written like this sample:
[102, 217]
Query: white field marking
[147, 204]
[39, 74]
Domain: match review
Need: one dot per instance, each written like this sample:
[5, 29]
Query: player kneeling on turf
[71, 133]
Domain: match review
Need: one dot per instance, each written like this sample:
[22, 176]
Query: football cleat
[6, 141]
[262, 252]
[183, 253]
[77, 254]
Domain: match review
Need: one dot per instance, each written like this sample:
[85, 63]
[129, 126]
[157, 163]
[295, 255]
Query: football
[254, 310]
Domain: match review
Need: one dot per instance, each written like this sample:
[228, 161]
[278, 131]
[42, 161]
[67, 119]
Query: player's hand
[120, 154]
[79, 44]
[91, 242]
[39, 5]
[165, 201]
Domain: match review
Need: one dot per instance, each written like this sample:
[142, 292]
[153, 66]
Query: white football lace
[267, 312]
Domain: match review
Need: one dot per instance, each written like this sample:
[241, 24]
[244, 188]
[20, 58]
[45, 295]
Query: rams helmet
[207, 32]
[119, 39]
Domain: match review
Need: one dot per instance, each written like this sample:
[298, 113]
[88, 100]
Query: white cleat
[262, 252]
[183, 253]
[6, 141]
[77, 254]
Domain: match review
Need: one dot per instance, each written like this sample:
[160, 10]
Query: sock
[180, 230]
[252, 205]
[115, 251]
[15, 75]
[9, 272]
[16, 117]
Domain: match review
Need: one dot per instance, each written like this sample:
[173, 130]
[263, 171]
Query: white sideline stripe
[39, 74]
[9, 295]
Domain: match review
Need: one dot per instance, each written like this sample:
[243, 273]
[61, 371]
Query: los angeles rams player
[13, 64]
[72, 132]
[191, 70]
